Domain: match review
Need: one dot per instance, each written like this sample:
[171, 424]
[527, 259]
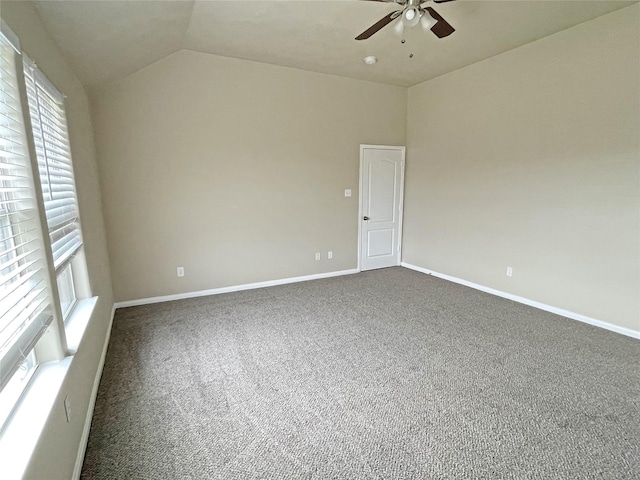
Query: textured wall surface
[531, 160]
[234, 170]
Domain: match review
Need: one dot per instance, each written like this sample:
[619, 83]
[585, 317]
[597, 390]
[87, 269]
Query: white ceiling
[108, 40]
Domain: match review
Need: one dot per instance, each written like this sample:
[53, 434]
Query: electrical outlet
[509, 272]
[181, 271]
[329, 254]
[67, 408]
[317, 255]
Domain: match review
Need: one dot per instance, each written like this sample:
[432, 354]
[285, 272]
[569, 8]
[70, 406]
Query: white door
[381, 185]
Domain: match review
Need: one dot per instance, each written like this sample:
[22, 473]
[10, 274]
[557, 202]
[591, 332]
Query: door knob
[365, 218]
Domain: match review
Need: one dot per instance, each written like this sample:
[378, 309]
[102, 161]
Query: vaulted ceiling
[107, 40]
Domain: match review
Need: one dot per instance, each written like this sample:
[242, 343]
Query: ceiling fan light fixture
[398, 28]
[410, 16]
[370, 60]
[411, 13]
[427, 21]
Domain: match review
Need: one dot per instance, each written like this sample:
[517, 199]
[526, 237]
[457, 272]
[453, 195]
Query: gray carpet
[388, 374]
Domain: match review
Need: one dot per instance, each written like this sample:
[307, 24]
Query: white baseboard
[233, 288]
[532, 303]
[82, 448]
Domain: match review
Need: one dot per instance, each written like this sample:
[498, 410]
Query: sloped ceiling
[108, 40]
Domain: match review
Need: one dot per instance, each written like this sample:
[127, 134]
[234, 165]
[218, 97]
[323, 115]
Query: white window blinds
[24, 300]
[51, 139]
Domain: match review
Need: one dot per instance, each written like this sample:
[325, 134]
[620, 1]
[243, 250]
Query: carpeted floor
[388, 374]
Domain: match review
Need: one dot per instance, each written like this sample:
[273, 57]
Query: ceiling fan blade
[383, 22]
[434, 1]
[442, 28]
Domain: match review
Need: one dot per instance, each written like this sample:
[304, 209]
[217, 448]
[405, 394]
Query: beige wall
[234, 170]
[531, 159]
[56, 452]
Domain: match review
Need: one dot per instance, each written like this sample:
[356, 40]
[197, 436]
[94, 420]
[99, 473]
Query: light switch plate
[347, 192]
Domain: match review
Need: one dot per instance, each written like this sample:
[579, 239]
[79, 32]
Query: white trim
[359, 268]
[401, 206]
[10, 36]
[22, 433]
[532, 303]
[82, 448]
[403, 150]
[233, 288]
[78, 321]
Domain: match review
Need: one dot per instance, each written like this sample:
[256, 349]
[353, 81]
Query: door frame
[401, 208]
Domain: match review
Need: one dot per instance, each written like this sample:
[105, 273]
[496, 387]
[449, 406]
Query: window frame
[66, 288]
[46, 102]
[49, 346]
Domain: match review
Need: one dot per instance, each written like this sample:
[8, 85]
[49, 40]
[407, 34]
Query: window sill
[78, 322]
[24, 428]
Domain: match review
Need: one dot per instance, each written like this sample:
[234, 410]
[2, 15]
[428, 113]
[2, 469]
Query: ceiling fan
[412, 13]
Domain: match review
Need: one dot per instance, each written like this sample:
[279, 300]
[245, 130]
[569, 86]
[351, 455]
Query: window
[66, 290]
[51, 138]
[44, 288]
[25, 301]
